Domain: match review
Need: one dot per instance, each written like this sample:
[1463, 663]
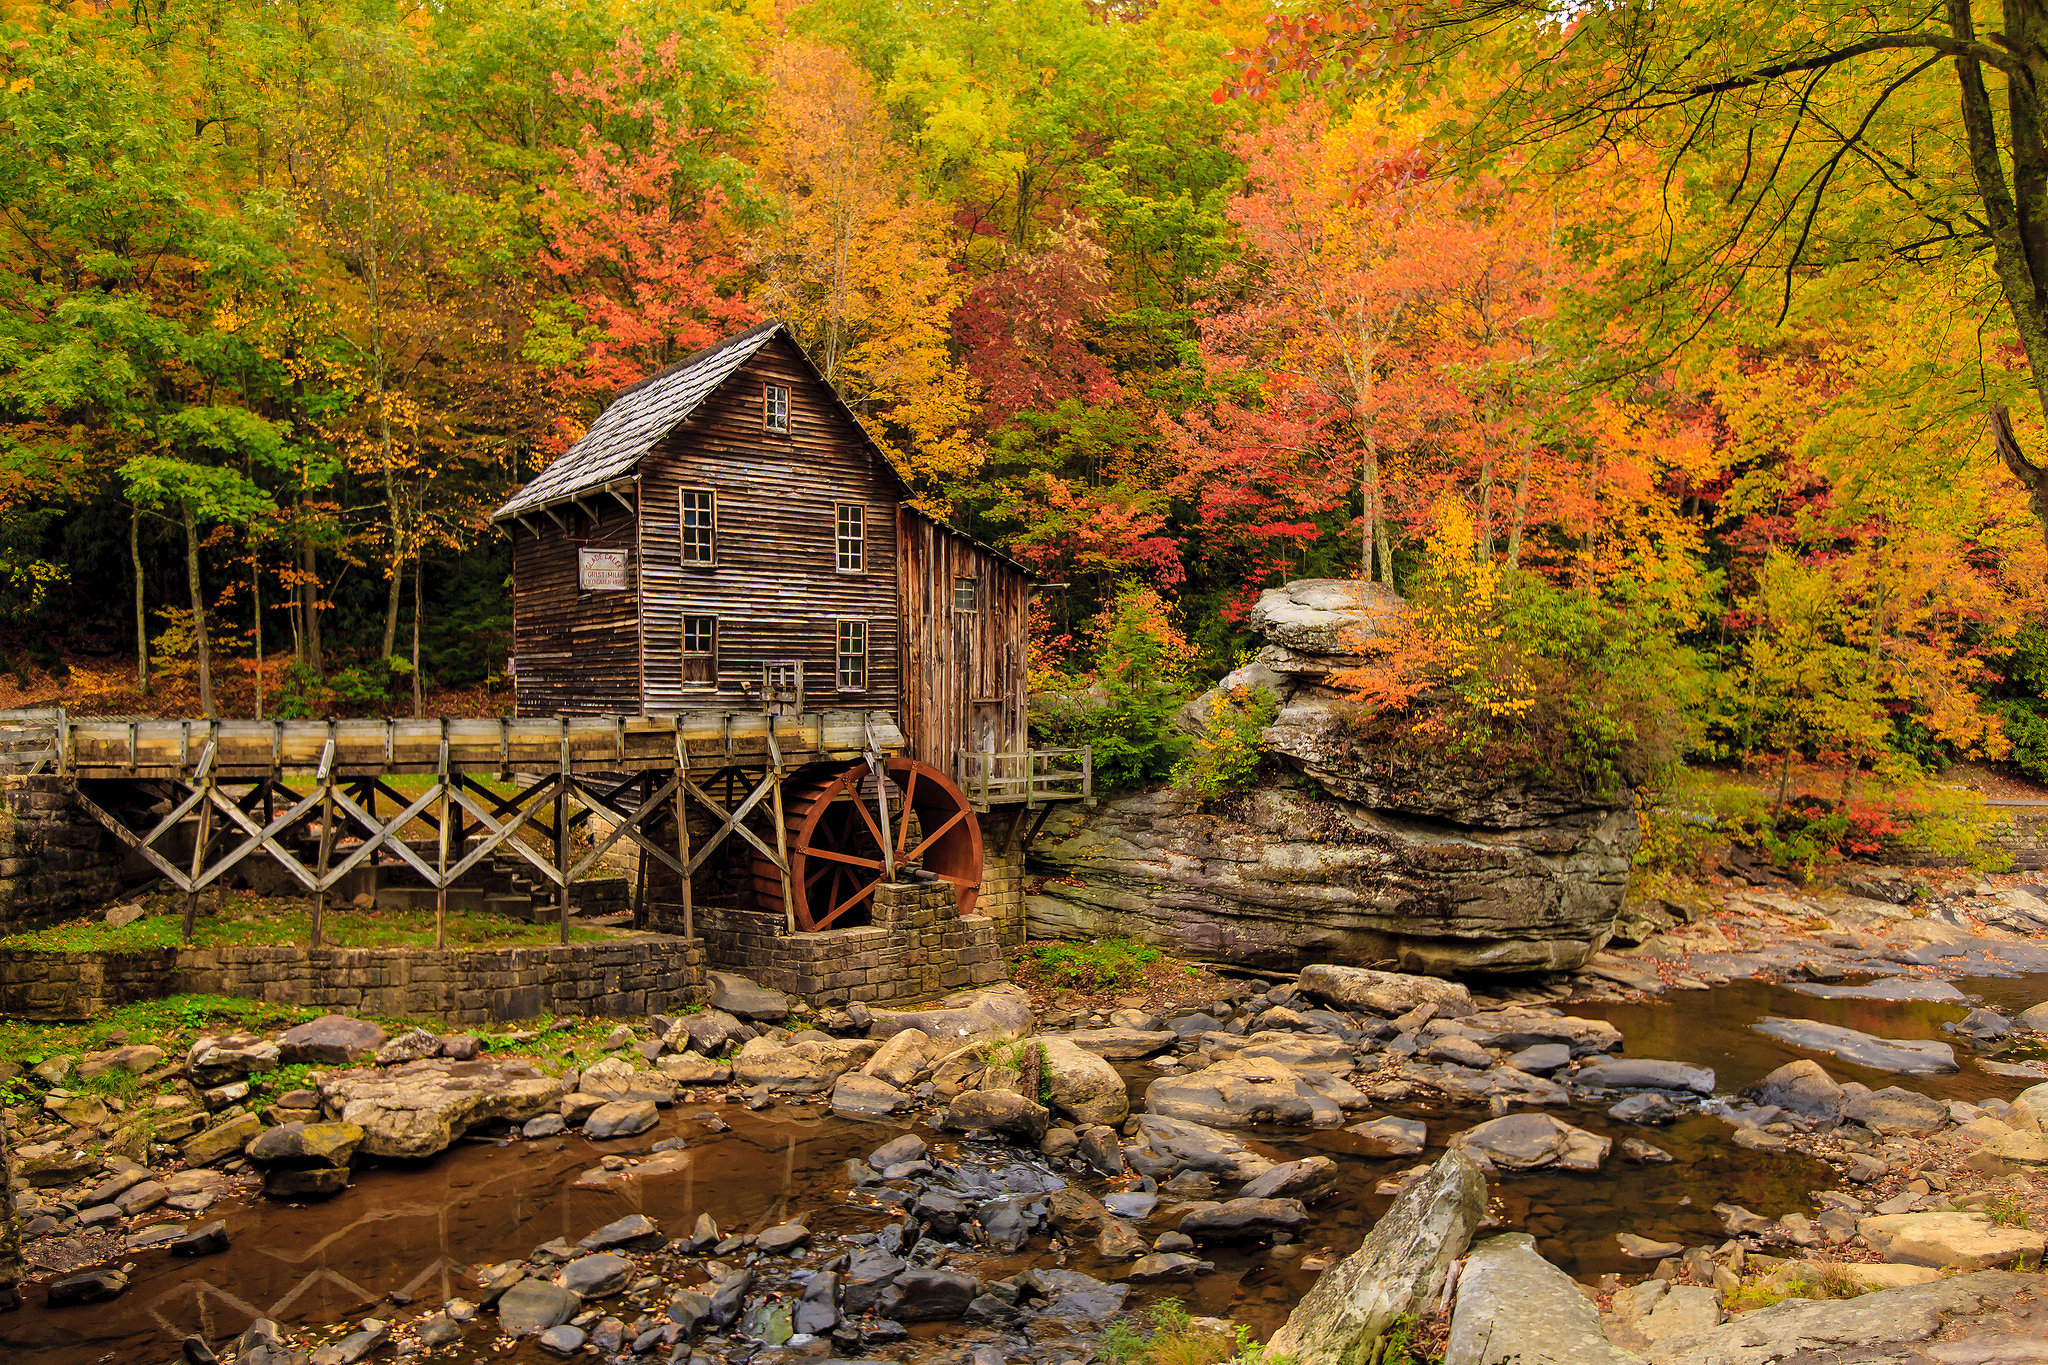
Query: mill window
[853, 656]
[700, 526]
[850, 535]
[964, 596]
[700, 650]
[775, 409]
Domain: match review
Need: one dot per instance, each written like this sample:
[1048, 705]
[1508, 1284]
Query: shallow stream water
[421, 1230]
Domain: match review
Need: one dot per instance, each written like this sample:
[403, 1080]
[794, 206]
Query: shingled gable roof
[644, 412]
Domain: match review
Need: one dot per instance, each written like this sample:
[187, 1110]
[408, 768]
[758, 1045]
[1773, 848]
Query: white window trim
[862, 508]
[866, 653]
[712, 562]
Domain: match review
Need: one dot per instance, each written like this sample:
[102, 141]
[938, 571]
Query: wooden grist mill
[738, 651]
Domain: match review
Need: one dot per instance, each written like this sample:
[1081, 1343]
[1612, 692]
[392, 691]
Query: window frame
[839, 541]
[769, 390]
[973, 584]
[710, 561]
[685, 653]
[840, 654]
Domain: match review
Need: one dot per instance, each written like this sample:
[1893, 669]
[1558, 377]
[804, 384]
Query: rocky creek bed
[887, 1185]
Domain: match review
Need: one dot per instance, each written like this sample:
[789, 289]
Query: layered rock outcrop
[1360, 855]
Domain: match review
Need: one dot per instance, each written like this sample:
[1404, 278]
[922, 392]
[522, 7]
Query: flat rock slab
[1515, 1306]
[1240, 1092]
[1518, 1029]
[747, 999]
[1906, 1056]
[1888, 988]
[1528, 1142]
[1949, 1241]
[1119, 1044]
[420, 1108]
[1875, 1329]
[999, 1011]
[1383, 993]
[1642, 1073]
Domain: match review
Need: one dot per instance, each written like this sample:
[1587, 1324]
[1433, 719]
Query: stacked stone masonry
[1002, 895]
[55, 860]
[628, 978]
[2019, 833]
[918, 946]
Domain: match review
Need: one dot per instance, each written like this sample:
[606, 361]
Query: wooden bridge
[195, 798]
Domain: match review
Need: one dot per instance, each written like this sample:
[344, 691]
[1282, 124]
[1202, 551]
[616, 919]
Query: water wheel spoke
[860, 804]
[850, 901]
[838, 857]
[933, 837]
[902, 817]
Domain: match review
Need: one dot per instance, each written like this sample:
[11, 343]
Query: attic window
[850, 537]
[775, 409]
[699, 526]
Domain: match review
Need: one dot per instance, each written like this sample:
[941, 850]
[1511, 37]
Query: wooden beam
[731, 822]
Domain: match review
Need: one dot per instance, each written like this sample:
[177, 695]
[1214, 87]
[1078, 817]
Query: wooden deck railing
[1031, 776]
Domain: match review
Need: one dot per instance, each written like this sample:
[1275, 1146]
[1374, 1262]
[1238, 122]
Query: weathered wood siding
[574, 652]
[775, 587]
[964, 671]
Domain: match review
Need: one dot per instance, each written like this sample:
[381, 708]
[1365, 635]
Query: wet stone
[634, 1232]
[531, 1306]
[91, 1286]
[597, 1275]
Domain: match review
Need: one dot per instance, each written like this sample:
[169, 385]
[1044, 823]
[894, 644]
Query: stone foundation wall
[629, 978]
[1002, 895]
[2018, 832]
[917, 947]
[55, 860]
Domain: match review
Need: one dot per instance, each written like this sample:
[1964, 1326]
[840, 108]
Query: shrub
[1100, 964]
[1122, 707]
[1225, 756]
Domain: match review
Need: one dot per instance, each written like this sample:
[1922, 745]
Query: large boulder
[331, 1040]
[1514, 1306]
[1383, 993]
[1239, 1092]
[1803, 1088]
[806, 1068]
[736, 995]
[420, 1108]
[1884, 1326]
[998, 1111]
[1398, 1269]
[1083, 1086]
[217, 1061]
[1165, 1147]
[1528, 1142]
[1898, 1112]
[1949, 1241]
[617, 1081]
[988, 1013]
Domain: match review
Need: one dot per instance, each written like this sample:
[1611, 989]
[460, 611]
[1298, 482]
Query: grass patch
[254, 922]
[1164, 1334]
[1812, 1280]
[1095, 965]
[2007, 1212]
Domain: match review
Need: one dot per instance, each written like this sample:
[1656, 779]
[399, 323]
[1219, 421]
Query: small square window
[964, 597]
[699, 526]
[850, 537]
[853, 656]
[775, 409]
[700, 650]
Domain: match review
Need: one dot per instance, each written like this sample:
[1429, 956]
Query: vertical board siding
[775, 588]
[574, 652]
[955, 659]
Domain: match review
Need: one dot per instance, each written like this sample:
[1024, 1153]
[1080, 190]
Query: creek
[421, 1230]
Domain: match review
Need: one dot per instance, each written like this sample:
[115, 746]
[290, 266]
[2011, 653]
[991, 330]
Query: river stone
[1459, 1051]
[301, 1183]
[634, 1232]
[1166, 1146]
[817, 1312]
[331, 1040]
[1073, 1298]
[418, 1109]
[301, 1146]
[991, 1012]
[410, 1046]
[1118, 1044]
[918, 1294]
[1517, 1027]
[207, 1239]
[1308, 1180]
[137, 1057]
[91, 1286]
[1383, 993]
[597, 1275]
[1897, 1112]
[1075, 1212]
[1240, 1092]
[221, 1141]
[1239, 1220]
[998, 1111]
[1119, 1241]
[860, 1096]
[563, 1340]
[1879, 1327]
[1297, 1050]
[1645, 1249]
[1390, 1136]
[1169, 1265]
[1515, 1306]
[1527, 1142]
[624, 1118]
[1913, 1057]
[808, 1067]
[1399, 1268]
[1542, 1059]
[736, 995]
[870, 1271]
[898, 1060]
[1803, 1088]
[1084, 1086]
[532, 1306]
[212, 1061]
[906, 1147]
[1888, 988]
[617, 1080]
[691, 1068]
[1949, 1241]
[1627, 1073]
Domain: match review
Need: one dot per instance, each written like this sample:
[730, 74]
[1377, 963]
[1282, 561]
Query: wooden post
[326, 779]
[441, 866]
[683, 829]
[562, 831]
[204, 835]
[782, 855]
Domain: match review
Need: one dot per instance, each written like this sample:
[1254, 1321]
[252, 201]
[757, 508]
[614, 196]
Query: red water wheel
[834, 823]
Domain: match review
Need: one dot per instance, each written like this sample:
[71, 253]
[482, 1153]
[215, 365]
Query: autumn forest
[1683, 365]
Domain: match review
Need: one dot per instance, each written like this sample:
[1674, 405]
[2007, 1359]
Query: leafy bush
[1100, 964]
[1122, 707]
[2026, 729]
[1225, 756]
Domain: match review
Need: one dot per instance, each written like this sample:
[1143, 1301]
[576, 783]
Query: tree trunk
[141, 616]
[418, 597]
[256, 602]
[199, 643]
[309, 604]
